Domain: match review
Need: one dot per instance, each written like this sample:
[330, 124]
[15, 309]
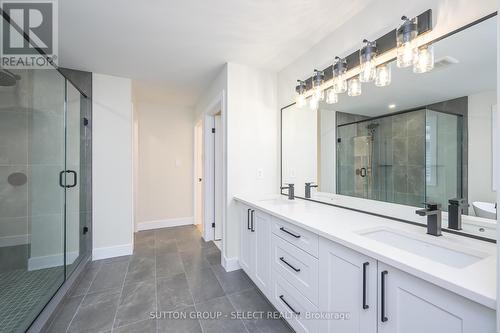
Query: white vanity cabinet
[324, 286]
[348, 289]
[408, 304]
[255, 245]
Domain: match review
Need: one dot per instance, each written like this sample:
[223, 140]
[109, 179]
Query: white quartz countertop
[476, 281]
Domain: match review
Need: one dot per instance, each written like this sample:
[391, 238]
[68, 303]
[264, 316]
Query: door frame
[207, 118]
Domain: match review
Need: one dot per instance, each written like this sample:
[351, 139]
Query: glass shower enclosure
[408, 158]
[45, 207]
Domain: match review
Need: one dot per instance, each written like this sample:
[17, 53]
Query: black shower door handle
[74, 178]
[63, 183]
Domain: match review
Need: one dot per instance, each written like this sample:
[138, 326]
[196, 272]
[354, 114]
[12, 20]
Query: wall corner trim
[165, 223]
[112, 251]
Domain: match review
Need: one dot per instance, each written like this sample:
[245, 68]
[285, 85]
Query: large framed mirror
[428, 137]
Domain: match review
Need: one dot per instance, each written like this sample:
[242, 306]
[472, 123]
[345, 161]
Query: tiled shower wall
[398, 154]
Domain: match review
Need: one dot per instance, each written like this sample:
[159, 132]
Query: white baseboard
[230, 264]
[36, 263]
[157, 224]
[14, 240]
[112, 251]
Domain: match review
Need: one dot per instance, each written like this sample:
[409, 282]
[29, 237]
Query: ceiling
[181, 45]
[476, 51]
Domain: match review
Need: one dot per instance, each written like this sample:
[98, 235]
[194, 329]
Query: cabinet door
[260, 226]
[246, 239]
[408, 304]
[347, 289]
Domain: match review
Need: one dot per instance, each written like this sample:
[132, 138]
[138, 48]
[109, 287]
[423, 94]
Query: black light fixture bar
[385, 43]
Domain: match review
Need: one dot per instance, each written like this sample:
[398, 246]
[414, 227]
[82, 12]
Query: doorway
[198, 176]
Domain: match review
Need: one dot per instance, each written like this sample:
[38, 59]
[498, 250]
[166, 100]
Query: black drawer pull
[365, 265]
[286, 263]
[383, 316]
[290, 233]
[286, 303]
[252, 225]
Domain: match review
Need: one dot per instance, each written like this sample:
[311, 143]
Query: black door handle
[363, 172]
[365, 265]
[290, 233]
[248, 218]
[288, 305]
[61, 179]
[252, 225]
[289, 265]
[74, 178]
[383, 316]
[63, 183]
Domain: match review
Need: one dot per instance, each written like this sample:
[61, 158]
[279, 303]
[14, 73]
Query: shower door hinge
[213, 225]
[213, 130]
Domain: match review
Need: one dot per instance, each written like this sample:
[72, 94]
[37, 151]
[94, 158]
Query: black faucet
[455, 208]
[291, 191]
[308, 189]
[433, 213]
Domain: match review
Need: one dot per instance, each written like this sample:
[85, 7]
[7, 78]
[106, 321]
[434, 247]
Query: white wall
[480, 147]
[252, 141]
[165, 160]
[112, 177]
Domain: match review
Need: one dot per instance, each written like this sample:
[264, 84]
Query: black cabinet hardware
[290, 233]
[248, 218]
[288, 305]
[252, 225]
[383, 316]
[365, 266]
[289, 265]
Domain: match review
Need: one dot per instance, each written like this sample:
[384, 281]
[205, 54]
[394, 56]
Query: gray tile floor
[172, 269]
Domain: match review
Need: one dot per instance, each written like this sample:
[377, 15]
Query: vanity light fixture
[339, 79]
[354, 86]
[313, 103]
[317, 83]
[407, 50]
[332, 97]
[425, 61]
[383, 75]
[367, 58]
[300, 97]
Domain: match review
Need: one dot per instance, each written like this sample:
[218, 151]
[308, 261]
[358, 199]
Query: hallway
[172, 269]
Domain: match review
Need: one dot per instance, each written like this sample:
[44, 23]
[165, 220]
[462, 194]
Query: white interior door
[218, 178]
[198, 174]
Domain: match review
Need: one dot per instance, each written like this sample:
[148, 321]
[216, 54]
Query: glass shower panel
[32, 155]
[72, 175]
[443, 157]
[383, 158]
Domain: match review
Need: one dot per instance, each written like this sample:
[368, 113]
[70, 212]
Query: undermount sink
[448, 255]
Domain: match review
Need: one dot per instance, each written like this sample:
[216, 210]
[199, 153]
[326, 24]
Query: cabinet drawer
[293, 305]
[306, 240]
[299, 268]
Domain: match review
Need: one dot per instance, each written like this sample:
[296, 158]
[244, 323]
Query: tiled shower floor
[171, 269]
[22, 291]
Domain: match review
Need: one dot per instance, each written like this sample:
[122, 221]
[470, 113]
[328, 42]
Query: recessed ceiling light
[392, 106]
